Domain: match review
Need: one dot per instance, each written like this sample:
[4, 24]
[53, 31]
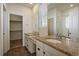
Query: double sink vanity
[50, 45]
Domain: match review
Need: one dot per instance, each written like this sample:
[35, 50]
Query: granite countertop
[67, 46]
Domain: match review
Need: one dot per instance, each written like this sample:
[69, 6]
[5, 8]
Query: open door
[1, 29]
[5, 30]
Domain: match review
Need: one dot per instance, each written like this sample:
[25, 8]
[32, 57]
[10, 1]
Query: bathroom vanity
[50, 46]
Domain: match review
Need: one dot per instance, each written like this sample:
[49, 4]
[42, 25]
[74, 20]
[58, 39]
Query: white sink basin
[53, 41]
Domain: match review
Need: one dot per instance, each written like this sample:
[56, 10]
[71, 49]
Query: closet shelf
[16, 24]
[15, 30]
[15, 21]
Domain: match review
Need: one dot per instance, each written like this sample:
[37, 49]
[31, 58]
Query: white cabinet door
[45, 50]
[39, 51]
[52, 52]
[39, 48]
[31, 46]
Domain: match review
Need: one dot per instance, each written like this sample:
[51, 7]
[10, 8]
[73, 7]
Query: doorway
[51, 26]
[16, 30]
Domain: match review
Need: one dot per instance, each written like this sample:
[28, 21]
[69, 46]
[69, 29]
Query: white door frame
[9, 25]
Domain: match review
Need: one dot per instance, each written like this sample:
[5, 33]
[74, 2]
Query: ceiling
[27, 4]
[23, 4]
[62, 6]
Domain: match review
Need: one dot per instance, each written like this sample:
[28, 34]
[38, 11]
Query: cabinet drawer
[33, 41]
[39, 48]
[31, 46]
[40, 44]
[39, 51]
[53, 52]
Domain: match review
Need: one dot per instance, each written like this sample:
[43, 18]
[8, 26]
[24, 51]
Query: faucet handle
[69, 34]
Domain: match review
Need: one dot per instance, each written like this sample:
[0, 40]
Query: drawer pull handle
[38, 49]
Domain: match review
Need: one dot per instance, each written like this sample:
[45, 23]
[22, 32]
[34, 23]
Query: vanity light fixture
[71, 5]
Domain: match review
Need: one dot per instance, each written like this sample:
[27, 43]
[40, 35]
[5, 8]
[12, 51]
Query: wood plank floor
[16, 49]
[15, 43]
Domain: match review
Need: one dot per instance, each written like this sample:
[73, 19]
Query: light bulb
[30, 3]
[71, 5]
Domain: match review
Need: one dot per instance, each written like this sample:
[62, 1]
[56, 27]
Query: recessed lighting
[71, 5]
[30, 3]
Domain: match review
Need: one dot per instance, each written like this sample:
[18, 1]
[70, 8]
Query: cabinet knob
[43, 52]
[38, 49]
[3, 33]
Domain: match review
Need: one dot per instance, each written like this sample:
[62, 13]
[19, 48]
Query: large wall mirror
[63, 19]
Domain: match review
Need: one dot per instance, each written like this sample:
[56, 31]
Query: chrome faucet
[59, 36]
[68, 33]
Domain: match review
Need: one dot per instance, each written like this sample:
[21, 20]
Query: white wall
[1, 29]
[27, 16]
